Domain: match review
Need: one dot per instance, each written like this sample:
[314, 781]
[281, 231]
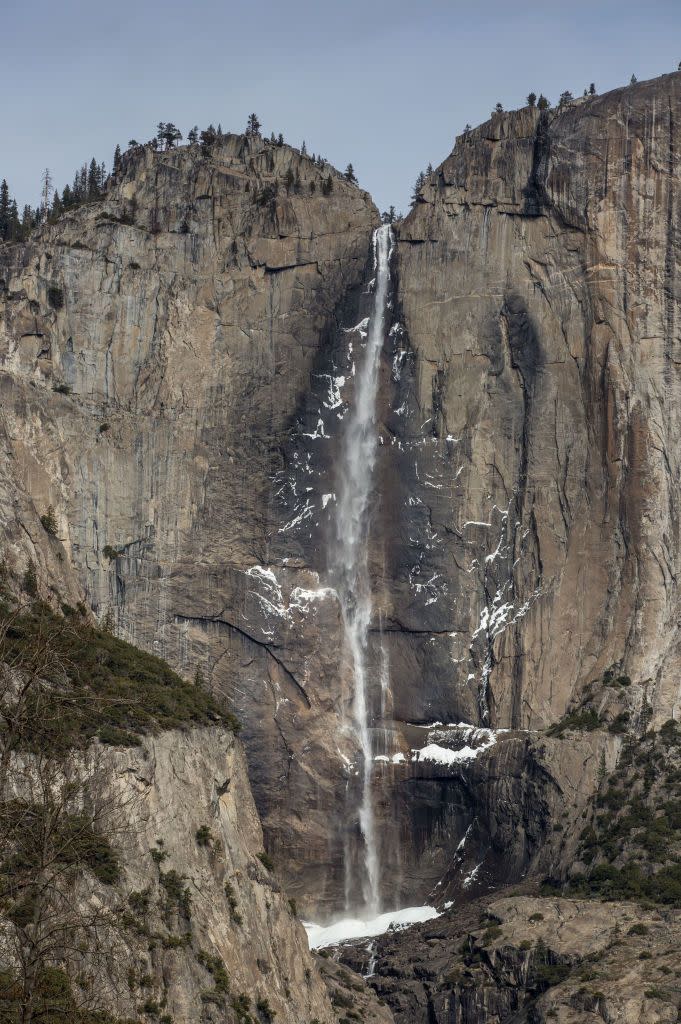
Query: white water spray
[350, 555]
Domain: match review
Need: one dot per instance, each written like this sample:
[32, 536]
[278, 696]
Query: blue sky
[385, 85]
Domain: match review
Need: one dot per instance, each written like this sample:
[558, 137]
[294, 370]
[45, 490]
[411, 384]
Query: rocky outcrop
[530, 961]
[196, 927]
[234, 914]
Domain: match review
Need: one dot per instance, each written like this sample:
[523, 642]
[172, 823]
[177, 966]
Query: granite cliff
[177, 362]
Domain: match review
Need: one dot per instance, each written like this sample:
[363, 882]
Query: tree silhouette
[253, 127]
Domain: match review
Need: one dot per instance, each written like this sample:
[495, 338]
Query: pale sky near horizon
[385, 85]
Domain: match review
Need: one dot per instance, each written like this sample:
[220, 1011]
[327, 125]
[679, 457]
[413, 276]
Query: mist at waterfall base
[348, 928]
[349, 570]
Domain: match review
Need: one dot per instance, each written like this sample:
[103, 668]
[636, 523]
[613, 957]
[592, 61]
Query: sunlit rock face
[538, 283]
[523, 516]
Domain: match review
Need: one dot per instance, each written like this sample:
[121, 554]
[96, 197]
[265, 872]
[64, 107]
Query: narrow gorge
[401, 500]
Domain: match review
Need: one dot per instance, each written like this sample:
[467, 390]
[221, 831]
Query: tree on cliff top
[168, 134]
[253, 127]
[418, 186]
[350, 174]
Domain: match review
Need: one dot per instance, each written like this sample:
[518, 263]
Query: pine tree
[168, 134]
[117, 160]
[498, 109]
[4, 210]
[288, 179]
[350, 175]
[592, 89]
[57, 207]
[634, 80]
[92, 187]
[30, 580]
[193, 135]
[27, 221]
[49, 521]
[46, 191]
[531, 99]
[303, 149]
[280, 139]
[14, 233]
[327, 186]
[418, 186]
[429, 170]
[543, 103]
[208, 137]
[253, 127]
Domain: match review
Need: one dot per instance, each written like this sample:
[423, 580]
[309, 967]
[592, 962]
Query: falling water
[350, 555]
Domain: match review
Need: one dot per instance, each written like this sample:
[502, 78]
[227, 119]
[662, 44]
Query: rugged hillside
[523, 960]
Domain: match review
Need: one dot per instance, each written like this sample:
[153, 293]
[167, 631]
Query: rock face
[197, 928]
[538, 282]
[177, 362]
[531, 961]
[172, 786]
[164, 355]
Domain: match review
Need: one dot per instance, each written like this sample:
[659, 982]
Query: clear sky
[384, 84]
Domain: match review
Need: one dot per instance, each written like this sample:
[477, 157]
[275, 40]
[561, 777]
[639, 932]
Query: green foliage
[638, 929]
[61, 388]
[215, 966]
[629, 883]
[230, 896]
[55, 297]
[49, 522]
[241, 1005]
[670, 733]
[110, 552]
[70, 839]
[53, 1001]
[204, 836]
[139, 902]
[30, 579]
[490, 934]
[620, 724]
[264, 1009]
[582, 720]
[266, 861]
[104, 687]
[178, 897]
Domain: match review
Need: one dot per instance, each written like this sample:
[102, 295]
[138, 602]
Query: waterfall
[350, 551]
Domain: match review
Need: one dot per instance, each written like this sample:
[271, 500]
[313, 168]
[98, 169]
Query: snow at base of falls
[319, 935]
